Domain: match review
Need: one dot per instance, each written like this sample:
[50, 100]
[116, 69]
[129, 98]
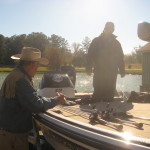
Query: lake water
[128, 83]
[84, 83]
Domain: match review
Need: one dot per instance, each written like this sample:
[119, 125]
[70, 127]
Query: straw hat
[31, 54]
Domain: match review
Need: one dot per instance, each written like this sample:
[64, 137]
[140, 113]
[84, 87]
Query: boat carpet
[77, 112]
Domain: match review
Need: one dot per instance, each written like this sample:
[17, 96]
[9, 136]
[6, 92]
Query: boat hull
[66, 134]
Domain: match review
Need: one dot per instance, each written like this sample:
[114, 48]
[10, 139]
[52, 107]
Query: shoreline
[45, 69]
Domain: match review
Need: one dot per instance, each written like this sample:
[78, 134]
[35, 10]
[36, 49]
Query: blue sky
[75, 19]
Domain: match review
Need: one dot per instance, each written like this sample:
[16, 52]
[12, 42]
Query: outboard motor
[70, 70]
[144, 31]
[56, 82]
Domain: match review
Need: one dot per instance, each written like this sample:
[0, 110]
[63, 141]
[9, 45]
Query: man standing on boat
[106, 55]
[18, 100]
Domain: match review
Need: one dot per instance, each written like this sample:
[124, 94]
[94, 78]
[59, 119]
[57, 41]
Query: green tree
[78, 55]
[37, 40]
[86, 43]
[58, 53]
[67, 58]
[58, 41]
[13, 45]
[135, 57]
[2, 48]
[53, 54]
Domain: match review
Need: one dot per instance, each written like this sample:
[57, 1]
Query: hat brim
[17, 56]
[42, 61]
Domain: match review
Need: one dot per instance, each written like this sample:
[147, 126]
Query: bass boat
[81, 124]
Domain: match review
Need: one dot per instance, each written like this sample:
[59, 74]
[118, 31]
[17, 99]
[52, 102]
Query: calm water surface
[128, 83]
[84, 83]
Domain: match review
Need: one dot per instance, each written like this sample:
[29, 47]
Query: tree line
[55, 48]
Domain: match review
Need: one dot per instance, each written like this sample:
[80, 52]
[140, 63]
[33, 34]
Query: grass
[129, 68]
[40, 69]
[43, 69]
[133, 66]
[6, 69]
[133, 71]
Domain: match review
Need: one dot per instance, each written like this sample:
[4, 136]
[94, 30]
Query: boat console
[56, 82]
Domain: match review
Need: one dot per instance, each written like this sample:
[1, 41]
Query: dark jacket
[16, 112]
[106, 56]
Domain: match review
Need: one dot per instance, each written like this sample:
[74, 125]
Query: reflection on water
[84, 83]
[128, 83]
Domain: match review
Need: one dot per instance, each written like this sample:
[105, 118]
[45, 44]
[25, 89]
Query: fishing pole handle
[117, 126]
[138, 125]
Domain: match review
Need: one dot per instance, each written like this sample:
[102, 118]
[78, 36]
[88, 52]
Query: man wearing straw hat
[18, 100]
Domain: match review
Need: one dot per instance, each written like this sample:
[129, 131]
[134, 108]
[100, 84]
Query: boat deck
[139, 110]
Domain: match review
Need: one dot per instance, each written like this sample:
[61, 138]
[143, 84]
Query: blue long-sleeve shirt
[16, 113]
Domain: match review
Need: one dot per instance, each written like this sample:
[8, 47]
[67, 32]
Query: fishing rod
[103, 117]
[95, 117]
[138, 125]
[110, 114]
[92, 116]
[135, 117]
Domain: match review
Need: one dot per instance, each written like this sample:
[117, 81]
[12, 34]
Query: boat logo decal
[57, 78]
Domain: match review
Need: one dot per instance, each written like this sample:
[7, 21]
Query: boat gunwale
[115, 136]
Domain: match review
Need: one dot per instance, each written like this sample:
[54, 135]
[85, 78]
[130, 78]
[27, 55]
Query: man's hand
[61, 97]
[89, 73]
[122, 75]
